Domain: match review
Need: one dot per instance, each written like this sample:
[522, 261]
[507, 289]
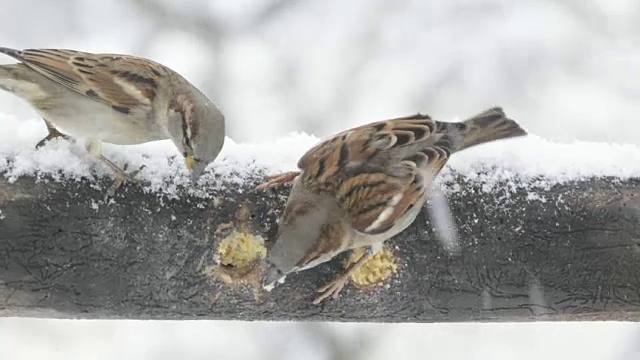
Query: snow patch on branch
[530, 162]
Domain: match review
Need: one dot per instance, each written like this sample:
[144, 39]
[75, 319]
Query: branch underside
[571, 252]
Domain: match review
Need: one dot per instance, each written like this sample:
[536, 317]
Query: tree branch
[572, 255]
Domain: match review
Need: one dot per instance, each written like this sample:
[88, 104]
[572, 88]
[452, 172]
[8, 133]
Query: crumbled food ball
[239, 250]
[375, 270]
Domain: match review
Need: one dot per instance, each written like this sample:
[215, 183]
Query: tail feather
[11, 71]
[489, 125]
[16, 54]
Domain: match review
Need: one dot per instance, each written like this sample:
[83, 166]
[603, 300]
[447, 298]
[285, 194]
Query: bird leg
[95, 149]
[279, 180]
[333, 288]
[53, 134]
[121, 176]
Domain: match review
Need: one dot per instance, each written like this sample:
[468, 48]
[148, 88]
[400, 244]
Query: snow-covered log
[542, 231]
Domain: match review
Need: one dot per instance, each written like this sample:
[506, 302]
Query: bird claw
[278, 180]
[131, 176]
[121, 178]
[331, 289]
[53, 134]
[111, 191]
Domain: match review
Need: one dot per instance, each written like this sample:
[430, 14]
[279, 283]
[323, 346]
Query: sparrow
[117, 99]
[366, 185]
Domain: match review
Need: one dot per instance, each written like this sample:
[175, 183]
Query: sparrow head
[311, 231]
[282, 259]
[197, 129]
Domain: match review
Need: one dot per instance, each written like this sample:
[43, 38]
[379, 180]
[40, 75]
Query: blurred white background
[564, 69]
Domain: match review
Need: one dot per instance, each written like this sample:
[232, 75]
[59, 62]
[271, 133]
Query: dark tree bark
[573, 256]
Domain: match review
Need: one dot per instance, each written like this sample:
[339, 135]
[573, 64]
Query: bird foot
[121, 177]
[332, 289]
[53, 134]
[278, 180]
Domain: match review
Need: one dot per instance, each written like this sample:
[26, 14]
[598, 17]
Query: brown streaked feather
[366, 197]
[126, 83]
[294, 210]
[378, 171]
[331, 240]
[365, 142]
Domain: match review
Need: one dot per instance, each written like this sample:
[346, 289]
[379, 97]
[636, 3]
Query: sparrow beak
[195, 167]
[273, 276]
[191, 162]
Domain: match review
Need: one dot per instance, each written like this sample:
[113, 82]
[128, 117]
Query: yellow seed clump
[239, 250]
[375, 270]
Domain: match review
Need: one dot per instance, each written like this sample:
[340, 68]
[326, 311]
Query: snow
[164, 170]
[530, 162]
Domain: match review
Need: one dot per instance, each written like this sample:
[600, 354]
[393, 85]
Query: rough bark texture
[573, 256]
